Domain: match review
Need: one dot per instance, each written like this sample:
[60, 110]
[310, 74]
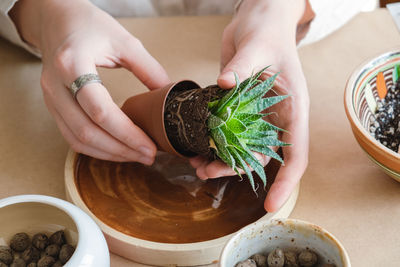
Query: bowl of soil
[283, 242]
[47, 231]
[372, 103]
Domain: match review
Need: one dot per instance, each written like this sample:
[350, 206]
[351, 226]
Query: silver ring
[82, 81]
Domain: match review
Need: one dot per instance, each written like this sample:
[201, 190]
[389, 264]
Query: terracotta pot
[146, 110]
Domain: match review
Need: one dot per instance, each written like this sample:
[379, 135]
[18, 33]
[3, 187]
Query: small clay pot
[146, 110]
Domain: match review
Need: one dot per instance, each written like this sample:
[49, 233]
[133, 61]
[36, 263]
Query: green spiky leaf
[228, 99]
[219, 137]
[263, 126]
[248, 156]
[255, 134]
[214, 122]
[259, 91]
[266, 141]
[226, 156]
[237, 126]
[249, 117]
[396, 74]
[231, 138]
[212, 104]
[243, 165]
[266, 151]
[259, 105]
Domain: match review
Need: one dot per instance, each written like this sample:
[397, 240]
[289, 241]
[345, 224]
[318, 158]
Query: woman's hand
[74, 38]
[263, 33]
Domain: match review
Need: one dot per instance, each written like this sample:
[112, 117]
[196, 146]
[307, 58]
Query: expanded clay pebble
[31, 254]
[40, 241]
[246, 263]
[291, 259]
[19, 242]
[66, 252]
[58, 238]
[41, 252]
[52, 250]
[260, 259]
[307, 258]
[276, 258]
[46, 261]
[6, 255]
[18, 263]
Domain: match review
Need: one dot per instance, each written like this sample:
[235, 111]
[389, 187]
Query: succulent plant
[237, 127]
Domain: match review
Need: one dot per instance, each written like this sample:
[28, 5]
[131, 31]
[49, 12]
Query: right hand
[74, 38]
[263, 33]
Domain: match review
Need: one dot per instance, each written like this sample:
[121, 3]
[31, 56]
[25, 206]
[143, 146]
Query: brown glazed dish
[166, 202]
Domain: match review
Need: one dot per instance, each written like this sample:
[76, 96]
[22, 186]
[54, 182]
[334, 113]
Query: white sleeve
[333, 14]
[9, 31]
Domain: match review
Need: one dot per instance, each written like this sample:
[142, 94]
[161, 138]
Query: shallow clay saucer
[164, 214]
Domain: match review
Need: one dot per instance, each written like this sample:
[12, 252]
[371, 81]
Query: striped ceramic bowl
[361, 95]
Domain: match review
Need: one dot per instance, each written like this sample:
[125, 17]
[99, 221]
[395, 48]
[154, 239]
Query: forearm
[286, 19]
[43, 23]
[27, 16]
[288, 12]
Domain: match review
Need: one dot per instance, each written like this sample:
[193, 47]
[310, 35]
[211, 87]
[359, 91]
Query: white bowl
[37, 213]
[156, 253]
[262, 237]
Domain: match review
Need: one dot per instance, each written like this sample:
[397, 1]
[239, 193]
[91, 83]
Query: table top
[342, 190]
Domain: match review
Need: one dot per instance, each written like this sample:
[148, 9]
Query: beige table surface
[341, 190]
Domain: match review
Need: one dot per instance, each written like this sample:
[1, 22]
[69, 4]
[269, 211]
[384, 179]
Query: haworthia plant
[237, 126]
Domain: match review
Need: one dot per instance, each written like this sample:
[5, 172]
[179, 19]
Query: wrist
[289, 11]
[289, 19]
[45, 24]
[26, 16]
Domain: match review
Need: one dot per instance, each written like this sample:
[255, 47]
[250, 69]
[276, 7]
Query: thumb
[245, 62]
[144, 66]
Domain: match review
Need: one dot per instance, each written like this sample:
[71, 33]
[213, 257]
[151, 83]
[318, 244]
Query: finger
[85, 130]
[97, 103]
[227, 47]
[78, 146]
[197, 161]
[145, 67]
[217, 169]
[200, 171]
[246, 61]
[296, 159]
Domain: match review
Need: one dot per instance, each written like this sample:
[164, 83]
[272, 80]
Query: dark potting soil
[386, 125]
[185, 117]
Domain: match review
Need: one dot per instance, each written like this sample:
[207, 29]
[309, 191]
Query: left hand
[263, 33]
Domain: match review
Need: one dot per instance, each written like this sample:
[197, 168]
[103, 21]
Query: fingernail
[146, 151]
[226, 80]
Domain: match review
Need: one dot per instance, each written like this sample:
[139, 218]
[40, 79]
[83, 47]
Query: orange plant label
[381, 85]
